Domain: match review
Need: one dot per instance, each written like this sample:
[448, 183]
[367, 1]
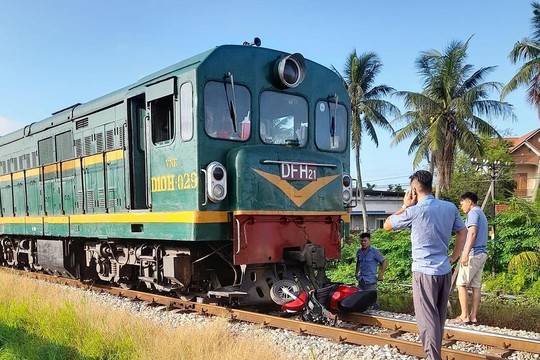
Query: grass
[42, 321]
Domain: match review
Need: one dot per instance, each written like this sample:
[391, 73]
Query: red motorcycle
[316, 305]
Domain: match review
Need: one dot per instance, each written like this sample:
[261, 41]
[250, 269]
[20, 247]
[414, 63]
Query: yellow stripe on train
[67, 165]
[187, 217]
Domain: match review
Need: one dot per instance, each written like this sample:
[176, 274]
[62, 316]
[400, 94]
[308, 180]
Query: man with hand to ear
[432, 222]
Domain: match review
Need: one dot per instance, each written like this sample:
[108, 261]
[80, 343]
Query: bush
[517, 231]
[516, 314]
[517, 237]
[509, 283]
[534, 291]
[394, 245]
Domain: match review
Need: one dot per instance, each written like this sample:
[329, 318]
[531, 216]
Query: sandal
[459, 320]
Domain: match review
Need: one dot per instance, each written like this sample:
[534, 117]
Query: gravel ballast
[300, 346]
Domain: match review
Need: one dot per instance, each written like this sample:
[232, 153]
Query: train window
[162, 119]
[221, 101]
[46, 151]
[139, 111]
[186, 111]
[330, 126]
[284, 118]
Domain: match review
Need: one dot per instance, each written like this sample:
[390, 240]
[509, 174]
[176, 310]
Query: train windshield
[284, 118]
[330, 126]
[219, 101]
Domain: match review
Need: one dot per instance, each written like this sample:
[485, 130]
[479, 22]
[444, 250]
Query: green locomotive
[225, 174]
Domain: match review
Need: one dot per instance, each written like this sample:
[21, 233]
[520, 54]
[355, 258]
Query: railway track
[500, 346]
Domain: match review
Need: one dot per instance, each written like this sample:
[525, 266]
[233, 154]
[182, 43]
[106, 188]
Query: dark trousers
[430, 296]
[362, 285]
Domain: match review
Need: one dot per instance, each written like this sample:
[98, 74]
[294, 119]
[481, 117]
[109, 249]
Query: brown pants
[430, 296]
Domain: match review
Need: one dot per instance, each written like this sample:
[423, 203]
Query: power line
[390, 178]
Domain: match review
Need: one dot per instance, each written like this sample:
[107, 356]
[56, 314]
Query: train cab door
[160, 131]
[138, 178]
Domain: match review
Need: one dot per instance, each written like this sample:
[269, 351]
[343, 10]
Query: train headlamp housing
[347, 193]
[290, 71]
[216, 182]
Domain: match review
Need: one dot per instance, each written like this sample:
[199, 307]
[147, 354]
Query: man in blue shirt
[432, 222]
[367, 260]
[473, 257]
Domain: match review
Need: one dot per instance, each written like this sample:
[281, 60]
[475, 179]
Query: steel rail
[337, 334]
[451, 333]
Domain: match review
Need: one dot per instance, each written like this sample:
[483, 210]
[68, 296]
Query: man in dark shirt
[367, 260]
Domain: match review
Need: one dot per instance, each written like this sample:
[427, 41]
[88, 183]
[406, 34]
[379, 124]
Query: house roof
[517, 142]
[384, 193]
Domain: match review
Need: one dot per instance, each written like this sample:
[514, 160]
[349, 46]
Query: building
[526, 153]
[379, 205]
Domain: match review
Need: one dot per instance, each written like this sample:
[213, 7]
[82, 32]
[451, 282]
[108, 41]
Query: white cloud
[7, 126]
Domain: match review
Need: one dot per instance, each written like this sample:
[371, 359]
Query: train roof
[79, 110]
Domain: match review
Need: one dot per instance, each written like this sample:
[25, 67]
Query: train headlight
[347, 189]
[216, 182]
[218, 173]
[346, 197]
[218, 191]
[290, 70]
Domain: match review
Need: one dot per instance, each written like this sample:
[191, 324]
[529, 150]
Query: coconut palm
[527, 50]
[447, 115]
[368, 107]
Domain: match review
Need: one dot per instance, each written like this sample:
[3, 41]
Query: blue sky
[57, 53]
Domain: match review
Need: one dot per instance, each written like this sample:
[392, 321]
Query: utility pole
[494, 170]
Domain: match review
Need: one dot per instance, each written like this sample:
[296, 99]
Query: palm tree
[368, 107]
[528, 50]
[447, 115]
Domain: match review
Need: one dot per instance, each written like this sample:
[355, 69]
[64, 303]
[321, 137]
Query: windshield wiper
[231, 103]
[333, 123]
[292, 142]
